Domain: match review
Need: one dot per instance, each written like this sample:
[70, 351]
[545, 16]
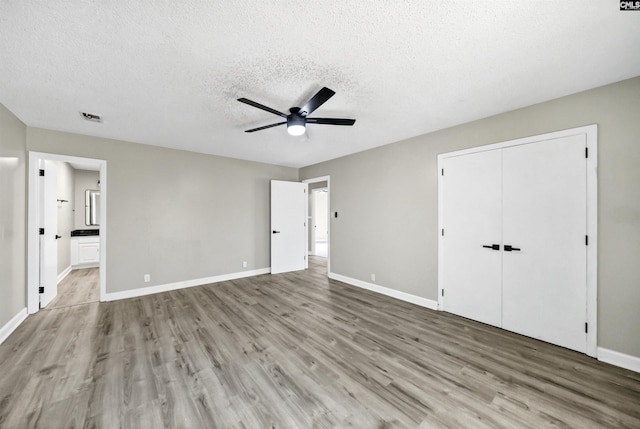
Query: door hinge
[586, 240]
[442, 292]
[41, 289]
[443, 171]
[586, 152]
[41, 231]
[41, 172]
[443, 232]
[586, 328]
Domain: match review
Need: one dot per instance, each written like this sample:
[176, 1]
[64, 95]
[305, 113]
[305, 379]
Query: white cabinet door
[472, 211]
[85, 251]
[88, 252]
[288, 226]
[544, 215]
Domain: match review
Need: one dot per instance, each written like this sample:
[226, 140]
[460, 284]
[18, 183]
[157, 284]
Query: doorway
[37, 252]
[318, 225]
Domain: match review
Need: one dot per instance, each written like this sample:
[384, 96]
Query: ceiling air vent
[91, 117]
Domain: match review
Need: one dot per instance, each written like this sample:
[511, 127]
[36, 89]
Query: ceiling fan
[297, 119]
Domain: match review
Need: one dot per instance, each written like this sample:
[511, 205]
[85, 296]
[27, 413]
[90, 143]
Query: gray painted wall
[12, 216]
[173, 214]
[393, 190]
[66, 190]
[85, 179]
[180, 215]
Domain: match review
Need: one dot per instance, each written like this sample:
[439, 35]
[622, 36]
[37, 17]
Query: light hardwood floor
[295, 351]
[79, 287]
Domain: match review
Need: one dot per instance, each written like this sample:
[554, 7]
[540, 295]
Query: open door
[288, 226]
[320, 226]
[48, 190]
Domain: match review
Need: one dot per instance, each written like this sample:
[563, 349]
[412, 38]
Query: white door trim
[591, 133]
[328, 180]
[33, 299]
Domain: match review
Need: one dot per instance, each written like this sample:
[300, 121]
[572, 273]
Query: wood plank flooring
[79, 287]
[295, 351]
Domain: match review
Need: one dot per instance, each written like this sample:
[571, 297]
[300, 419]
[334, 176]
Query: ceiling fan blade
[265, 127]
[331, 121]
[316, 101]
[261, 106]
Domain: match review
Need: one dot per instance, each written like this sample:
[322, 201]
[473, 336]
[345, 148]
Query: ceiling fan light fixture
[298, 119]
[296, 130]
[295, 125]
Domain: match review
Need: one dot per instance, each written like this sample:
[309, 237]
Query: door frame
[591, 133]
[328, 180]
[33, 211]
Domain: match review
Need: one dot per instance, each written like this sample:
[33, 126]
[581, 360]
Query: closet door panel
[472, 212]
[544, 215]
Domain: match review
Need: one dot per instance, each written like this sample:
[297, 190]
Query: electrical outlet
[244, 264]
[147, 278]
[373, 277]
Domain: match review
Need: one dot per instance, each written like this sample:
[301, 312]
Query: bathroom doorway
[78, 251]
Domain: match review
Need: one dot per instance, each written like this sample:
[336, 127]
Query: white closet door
[472, 210]
[544, 215]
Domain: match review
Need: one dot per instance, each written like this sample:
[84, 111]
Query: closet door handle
[509, 248]
[492, 246]
[275, 232]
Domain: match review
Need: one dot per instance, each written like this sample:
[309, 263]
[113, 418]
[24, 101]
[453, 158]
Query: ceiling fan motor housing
[296, 123]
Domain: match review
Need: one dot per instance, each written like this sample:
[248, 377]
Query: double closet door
[514, 239]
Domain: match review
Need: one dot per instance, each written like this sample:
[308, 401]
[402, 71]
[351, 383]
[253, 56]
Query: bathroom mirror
[92, 207]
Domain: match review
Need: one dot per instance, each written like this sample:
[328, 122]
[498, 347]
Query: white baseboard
[87, 265]
[403, 296]
[134, 293]
[64, 274]
[12, 324]
[619, 359]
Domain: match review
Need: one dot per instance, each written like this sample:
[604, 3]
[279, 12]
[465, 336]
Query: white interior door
[472, 211]
[321, 222]
[48, 243]
[321, 216]
[544, 216]
[288, 226]
[311, 225]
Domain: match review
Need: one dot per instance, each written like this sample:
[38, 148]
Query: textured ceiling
[168, 73]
